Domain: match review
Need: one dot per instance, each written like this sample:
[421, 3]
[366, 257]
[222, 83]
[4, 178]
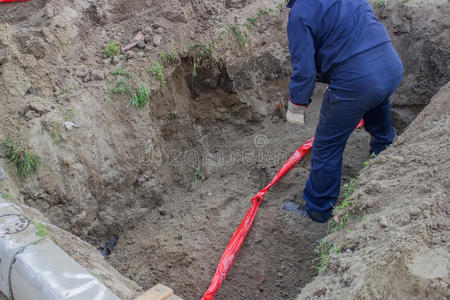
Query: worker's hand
[295, 114]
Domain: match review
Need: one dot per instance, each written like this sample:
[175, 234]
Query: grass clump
[323, 249]
[121, 72]
[40, 229]
[69, 114]
[200, 54]
[140, 98]
[156, 70]
[122, 87]
[240, 37]
[25, 161]
[170, 57]
[7, 196]
[344, 215]
[197, 176]
[379, 4]
[111, 49]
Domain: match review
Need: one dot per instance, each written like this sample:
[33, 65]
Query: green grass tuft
[111, 49]
[157, 70]
[379, 4]
[323, 249]
[197, 176]
[122, 87]
[240, 37]
[25, 161]
[140, 98]
[7, 196]
[40, 229]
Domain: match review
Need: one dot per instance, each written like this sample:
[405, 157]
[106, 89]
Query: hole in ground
[231, 157]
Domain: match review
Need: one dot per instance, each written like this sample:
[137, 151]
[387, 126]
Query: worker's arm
[301, 47]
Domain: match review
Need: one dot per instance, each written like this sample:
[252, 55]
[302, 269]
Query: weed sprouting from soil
[140, 98]
[40, 229]
[323, 249]
[122, 87]
[121, 72]
[7, 196]
[25, 161]
[156, 69]
[199, 54]
[379, 4]
[170, 57]
[111, 49]
[173, 117]
[197, 176]
[69, 114]
[240, 37]
[343, 213]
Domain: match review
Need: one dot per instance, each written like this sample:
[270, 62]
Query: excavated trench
[161, 191]
[213, 167]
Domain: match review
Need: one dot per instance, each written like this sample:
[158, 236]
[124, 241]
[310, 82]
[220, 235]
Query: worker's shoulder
[307, 9]
[315, 9]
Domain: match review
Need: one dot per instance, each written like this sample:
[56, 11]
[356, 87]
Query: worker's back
[340, 29]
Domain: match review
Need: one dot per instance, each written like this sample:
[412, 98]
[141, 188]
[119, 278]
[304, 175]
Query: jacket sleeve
[301, 47]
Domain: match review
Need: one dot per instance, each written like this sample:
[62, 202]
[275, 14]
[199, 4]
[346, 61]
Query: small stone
[2, 174]
[87, 78]
[159, 30]
[131, 54]
[383, 222]
[414, 211]
[115, 60]
[141, 44]
[107, 61]
[148, 39]
[156, 40]
[147, 31]
[279, 274]
[98, 75]
[81, 73]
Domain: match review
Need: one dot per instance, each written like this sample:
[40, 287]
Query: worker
[344, 44]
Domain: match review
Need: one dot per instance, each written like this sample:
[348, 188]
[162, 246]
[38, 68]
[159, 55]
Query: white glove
[295, 114]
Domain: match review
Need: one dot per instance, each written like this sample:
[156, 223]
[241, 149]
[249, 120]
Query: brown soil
[129, 173]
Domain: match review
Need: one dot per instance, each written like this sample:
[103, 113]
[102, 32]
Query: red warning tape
[239, 235]
[14, 0]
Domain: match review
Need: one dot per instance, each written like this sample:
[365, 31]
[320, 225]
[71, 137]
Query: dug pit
[180, 242]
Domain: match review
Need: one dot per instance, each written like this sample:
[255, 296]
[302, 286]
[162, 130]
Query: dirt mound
[400, 248]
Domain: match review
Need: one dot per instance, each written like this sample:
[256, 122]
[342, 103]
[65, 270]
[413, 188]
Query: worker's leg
[378, 123]
[338, 118]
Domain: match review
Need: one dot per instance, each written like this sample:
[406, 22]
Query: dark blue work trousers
[359, 88]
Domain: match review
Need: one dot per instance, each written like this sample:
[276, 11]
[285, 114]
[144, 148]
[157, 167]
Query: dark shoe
[291, 206]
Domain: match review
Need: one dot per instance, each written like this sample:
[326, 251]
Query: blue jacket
[325, 33]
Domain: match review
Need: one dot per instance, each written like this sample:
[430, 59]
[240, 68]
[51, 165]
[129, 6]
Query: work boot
[291, 206]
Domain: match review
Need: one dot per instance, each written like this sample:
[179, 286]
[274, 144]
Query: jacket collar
[290, 3]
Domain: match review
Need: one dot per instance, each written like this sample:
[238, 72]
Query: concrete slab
[16, 232]
[44, 271]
